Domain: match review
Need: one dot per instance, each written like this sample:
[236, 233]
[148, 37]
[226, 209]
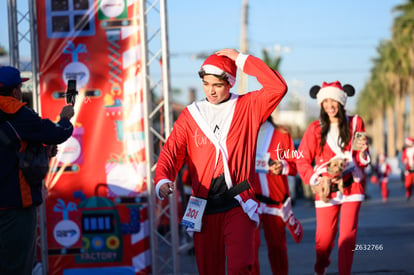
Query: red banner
[95, 205]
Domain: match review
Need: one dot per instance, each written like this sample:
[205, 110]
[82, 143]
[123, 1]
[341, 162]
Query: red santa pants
[228, 235]
[326, 229]
[275, 235]
[384, 189]
[409, 182]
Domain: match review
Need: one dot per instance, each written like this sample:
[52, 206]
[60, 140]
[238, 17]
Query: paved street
[389, 225]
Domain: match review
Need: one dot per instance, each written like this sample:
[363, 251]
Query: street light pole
[243, 43]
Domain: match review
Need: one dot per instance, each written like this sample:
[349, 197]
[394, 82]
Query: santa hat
[409, 141]
[333, 90]
[216, 65]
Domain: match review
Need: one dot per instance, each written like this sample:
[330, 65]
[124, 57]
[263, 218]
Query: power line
[308, 72]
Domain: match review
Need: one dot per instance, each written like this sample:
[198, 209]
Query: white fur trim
[365, 161]
[332, 93]
[285, 167]
[339, 199]
[241, 60]
[211, 69]
[220, 145]
[250, 208]
[274, 211]
[284, 212]
[314, 179]
[158, 186]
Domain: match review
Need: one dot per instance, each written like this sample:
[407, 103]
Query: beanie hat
[409, 141]
[216, 65]
[10, 77]
[333, 90]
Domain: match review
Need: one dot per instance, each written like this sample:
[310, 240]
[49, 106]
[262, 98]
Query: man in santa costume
[408, 160]
[275, 160]
[334, 135]
[217, 137]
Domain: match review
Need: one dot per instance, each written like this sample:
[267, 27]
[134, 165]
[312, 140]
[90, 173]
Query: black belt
[226, 201]
[270, 201]
[237, 189]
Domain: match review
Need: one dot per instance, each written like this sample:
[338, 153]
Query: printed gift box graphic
[64, 225]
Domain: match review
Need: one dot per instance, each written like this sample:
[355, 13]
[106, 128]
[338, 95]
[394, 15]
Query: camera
[71, 92]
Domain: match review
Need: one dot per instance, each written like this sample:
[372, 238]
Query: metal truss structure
[158, 117]
[22, 23]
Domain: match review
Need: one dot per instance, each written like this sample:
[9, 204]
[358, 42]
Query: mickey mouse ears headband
[333, 90]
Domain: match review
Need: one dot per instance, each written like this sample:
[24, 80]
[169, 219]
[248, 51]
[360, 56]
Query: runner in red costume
[382, 170]
[275, 160]
[408, 160]
[218, 138]
[332, 136]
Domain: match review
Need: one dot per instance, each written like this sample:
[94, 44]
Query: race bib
[262, 163]
[194, 213]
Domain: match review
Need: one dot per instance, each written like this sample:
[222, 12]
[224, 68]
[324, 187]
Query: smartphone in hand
[358, 136]
[71, 92]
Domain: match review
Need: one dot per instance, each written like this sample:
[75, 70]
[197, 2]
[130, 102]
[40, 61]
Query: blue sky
[321, 40]
[328, 40]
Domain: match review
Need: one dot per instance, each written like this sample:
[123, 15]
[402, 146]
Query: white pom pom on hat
[216, 65]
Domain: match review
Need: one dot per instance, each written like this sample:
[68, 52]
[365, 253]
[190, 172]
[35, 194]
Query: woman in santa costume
[408, 160]
[275, 160]
[217, 137]
[331, 137]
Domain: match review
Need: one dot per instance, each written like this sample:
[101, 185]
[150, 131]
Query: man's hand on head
[230, 53]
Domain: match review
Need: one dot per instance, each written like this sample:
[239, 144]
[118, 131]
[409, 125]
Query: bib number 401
[192, 213]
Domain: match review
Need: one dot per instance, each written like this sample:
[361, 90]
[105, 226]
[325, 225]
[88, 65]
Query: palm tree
[378, 98]
[393, 73]
[372, 127]
[372, 103]
[398, 76]
[389, 73]
[403, 37]
[272, 62]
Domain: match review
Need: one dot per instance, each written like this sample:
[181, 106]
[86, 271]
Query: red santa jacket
[193, 138]
[382, 170]
[276, 144]
[408, 159]
[309, 149]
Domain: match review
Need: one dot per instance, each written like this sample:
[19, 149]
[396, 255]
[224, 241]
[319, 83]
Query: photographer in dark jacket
[18, 199]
